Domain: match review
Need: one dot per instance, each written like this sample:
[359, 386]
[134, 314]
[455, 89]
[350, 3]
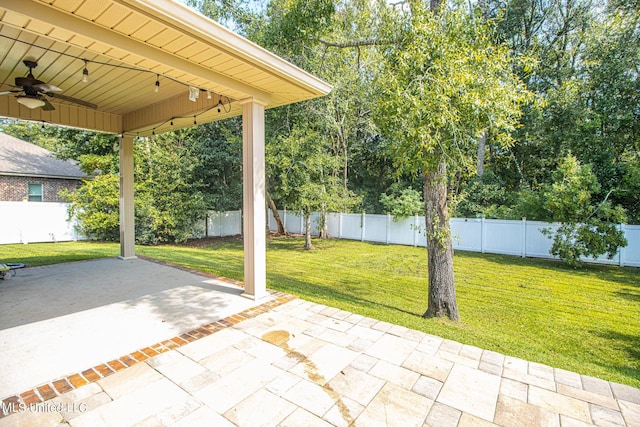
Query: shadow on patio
[59, 319]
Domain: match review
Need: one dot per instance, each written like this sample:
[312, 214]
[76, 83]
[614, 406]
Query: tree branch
[358, 43]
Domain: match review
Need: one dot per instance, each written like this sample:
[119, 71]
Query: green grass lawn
[586, 321]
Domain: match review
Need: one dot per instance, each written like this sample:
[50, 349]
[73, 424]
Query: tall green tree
[444, 84]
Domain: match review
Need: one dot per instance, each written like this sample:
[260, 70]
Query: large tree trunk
[442, 289]
[276, 215]
[307, 234]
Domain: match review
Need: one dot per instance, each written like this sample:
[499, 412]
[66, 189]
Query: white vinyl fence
[32, 222]
[521, 238]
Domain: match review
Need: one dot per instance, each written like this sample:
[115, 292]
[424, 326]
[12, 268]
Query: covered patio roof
[150, 66]
[128, 45]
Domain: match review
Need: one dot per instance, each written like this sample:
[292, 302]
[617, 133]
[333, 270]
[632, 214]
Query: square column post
[253, 200]
[127, 225]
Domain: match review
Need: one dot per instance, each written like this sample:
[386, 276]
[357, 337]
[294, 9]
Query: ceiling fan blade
[74, 100]
[47, 105]
[45, 88]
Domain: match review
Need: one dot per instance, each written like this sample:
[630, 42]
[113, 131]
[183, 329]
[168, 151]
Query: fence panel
[375, 228]
[352, 226]
[503, 237]
[293, 222]
[402, 231]
[467, 234]
[32, 222]
[631, 254]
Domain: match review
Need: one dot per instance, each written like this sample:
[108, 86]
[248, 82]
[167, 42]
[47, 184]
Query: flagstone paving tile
[204, 416]
[225, 361]
[427, 387]
[571, 379]
[559, 403]
[343, 414]
[541, 371]
[413, 335]
[337, 338]
[442, 415]
[204, 347]
[367, 322]
[514, 389]
[382, 326]
[490, 368]
[335, 324]
[172, 414]
[529, 379]
[356, 385]
[134, 406]
[354, 318]
[311, 397]
[515, 413]
[602, 416]
[625, 392]
[261, 409]
[342, 315]
[430, 344]
[458, 359]
[392, 349]
[364, 362]
[450, 346]
[428, 366]
[492, 358]
[588, 396]
[324, 363]
[471, 391]
[198, 382]
[468, 420]
[225, 393]
[282, 383]
[631, 413]
[516, 364]
[397, 330]
[360, 345]
[258, 348]
[596, 385]
[180, 368]
[395, 374]
[302, 418]
[471, 352]
[365, 332]
[395, 406]
[128, 380]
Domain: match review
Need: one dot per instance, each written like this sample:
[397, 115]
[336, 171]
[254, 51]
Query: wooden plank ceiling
[128, 45]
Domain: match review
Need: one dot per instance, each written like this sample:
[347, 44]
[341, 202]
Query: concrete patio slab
[83, 314]
[276, 364]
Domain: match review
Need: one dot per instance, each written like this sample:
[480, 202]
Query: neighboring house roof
[21, 158]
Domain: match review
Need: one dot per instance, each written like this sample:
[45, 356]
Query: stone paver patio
[290, 362]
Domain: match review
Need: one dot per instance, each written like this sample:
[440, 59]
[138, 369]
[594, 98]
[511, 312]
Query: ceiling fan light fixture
[30, 102]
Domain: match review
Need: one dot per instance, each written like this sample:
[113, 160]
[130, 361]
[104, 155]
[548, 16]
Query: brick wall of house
[16, 188]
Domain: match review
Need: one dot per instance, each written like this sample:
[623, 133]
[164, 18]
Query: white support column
[127, 224]
[253, 200]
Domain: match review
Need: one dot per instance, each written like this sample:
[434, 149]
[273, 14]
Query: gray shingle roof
[21, 158]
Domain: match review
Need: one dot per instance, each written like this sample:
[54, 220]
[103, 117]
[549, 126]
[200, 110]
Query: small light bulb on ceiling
[157, 87]
[85, 73]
